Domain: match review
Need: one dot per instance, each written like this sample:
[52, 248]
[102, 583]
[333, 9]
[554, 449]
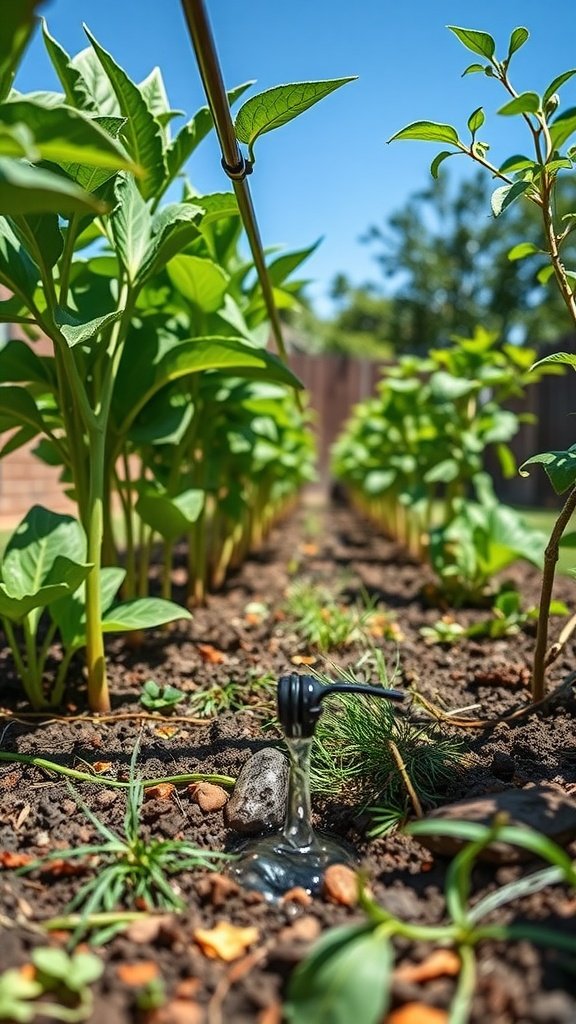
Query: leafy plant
[386, 759]
[347, 975]
[323, 622]
[68, 977]
[160, 698]
[131, 868]
[533, 178]
[508, 618]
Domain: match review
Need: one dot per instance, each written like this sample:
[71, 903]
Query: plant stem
[461, 1004]
[98, 696]
[550, 559]
[73, 773]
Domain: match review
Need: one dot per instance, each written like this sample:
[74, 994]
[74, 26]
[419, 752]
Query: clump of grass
[257, 694]
[130, 870]
[392, 763]
[326, 623]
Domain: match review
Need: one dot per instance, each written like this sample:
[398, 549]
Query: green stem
[66, 258]
[98, 696]
[167, 570]
[60, 682]
[73, 773]
[35, 695]
[548, 573]
[462, 1001]
[126, 498]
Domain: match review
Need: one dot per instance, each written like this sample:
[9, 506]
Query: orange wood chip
[211, 654]
[341, 885]
[303, 659]
[271, 1014]
[137, 974]
[163, 791]
[148, 928]
[9, 859]
[177, 1011]
[225, 941]
[100, 767]
[417, 1013]
[297, 895]
[440, 963]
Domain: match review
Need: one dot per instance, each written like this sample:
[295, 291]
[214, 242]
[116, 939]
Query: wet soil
[243, 635]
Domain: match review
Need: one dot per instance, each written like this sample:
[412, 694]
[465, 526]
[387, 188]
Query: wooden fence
[336, 383]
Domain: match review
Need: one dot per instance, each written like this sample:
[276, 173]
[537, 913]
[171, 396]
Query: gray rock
[260, 794]
[543, 808]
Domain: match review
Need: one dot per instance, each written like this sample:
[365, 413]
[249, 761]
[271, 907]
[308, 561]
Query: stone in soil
[543, 808]
[260, 794]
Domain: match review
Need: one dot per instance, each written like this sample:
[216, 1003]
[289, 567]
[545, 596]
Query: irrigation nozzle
[299, 700]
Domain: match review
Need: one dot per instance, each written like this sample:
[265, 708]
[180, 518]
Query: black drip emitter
[299, 701]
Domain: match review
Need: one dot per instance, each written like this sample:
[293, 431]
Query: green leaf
[566, 358]
[476, 120]
[18, 21]
[92, 178]
[16, 991]
[17, 270]
[428, 131]
[473, 69]
[142, 613]
[154, 92]
[95, 91]
[20, 364]
[518, 162]
[143, 131]
[199, 280]
[555, 85]
[438, 160]
[46, 232]
[563, 127]
[37, 542]
[504, 196]
[274, 107]
[27, 189]
[517, 39]
[477, 42]
[345, 978]
[77, 332]
[64, 134]
[521, 251]
[171, 517]
[70, 78]
[173, 228]
[131, 225]
[17, 408]
[560, 466]
[525, 103]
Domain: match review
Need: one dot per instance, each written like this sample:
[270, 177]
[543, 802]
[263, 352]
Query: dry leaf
[24, 813]
[63, 868]
[303, 659]
[297, 895]
[440, 963]
[208, 796]
[211, 654]
[101, 767]
[148, 928]
[225, 941]
[217, 888]
[137, 974]
[9, 859]
[417, 1013]
[166, 732]
[305, 929]
[341, 885]
[163, 791]
[271, 1014]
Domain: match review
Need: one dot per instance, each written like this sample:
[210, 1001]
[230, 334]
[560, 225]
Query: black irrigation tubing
[233, 162]
[103, 780]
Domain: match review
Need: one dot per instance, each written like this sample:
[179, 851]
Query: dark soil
[517, 983]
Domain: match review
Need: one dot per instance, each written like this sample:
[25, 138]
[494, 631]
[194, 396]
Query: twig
[556, 649]
[406, 779]
[137, 716]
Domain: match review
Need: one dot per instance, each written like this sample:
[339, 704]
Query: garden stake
[233, 162]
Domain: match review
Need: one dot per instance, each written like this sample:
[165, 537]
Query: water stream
[296, 856]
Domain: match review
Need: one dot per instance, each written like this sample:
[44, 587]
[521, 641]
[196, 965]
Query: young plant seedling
[160, 698]
[66, 977]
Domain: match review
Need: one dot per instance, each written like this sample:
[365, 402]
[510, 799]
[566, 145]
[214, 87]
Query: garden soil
[243, 634]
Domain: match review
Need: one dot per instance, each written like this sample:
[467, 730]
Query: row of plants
[159, 401]
[474, 536]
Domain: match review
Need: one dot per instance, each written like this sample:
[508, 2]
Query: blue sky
[330, 173]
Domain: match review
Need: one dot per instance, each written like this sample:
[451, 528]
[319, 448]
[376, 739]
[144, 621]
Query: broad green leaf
[438, 161]
[556, 83]
[566, 358]
[92, 178]
[45, 230]
[154, 93]
[64, 134]
[69, 613]
[504, 196]
[199, 280]
[443, 472]
[17, 270]
[473, 69]
[521, 251]
[77, 332]
[170, 517]
[518, 162]
[20, 364]
[525, 103]
[476, 120]
[563, 127]
[131, 225]
[18, 408]
[378, 481]
[37, 542]
[345, 978]
[444, 387]
[230, 355]
[477, 42]
[428, 131]
[173, 228]
[94, 84]
[15, 609]
[519, 36]
[18, 141]
[217, 206]
[18, 20]
[560, 467]
[281, 267]
[275, 107]
[192, 133]
[143, 131]
[142, 613]
[70, 78]
[27, 189]
[16, 993]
